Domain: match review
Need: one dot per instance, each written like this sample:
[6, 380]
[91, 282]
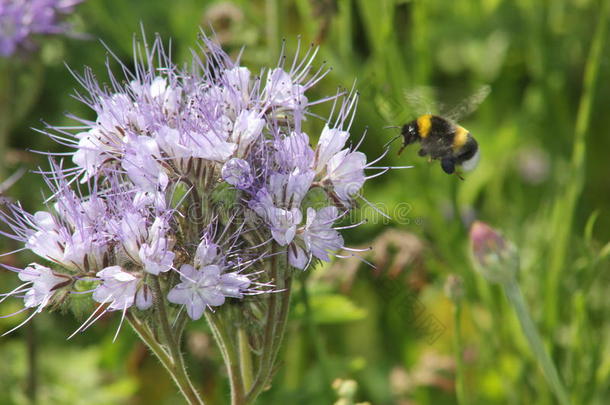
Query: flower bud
[237, 172]
[494, 257]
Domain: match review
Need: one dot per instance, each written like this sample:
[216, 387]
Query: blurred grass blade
[563, 211]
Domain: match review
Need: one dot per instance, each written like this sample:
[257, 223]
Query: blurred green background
[543, 181]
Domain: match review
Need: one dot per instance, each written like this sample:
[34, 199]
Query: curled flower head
[187, 181]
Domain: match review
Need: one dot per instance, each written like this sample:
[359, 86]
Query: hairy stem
[230, 357]
[275, 325]
[245, 358]
[513, 292]
[178, 370]
[264, 359]
[166, 329]
[283, 314]
[146, 335]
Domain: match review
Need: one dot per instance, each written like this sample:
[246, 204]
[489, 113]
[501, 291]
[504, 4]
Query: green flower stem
[230, 357]
[245, 359]
[564, 209]
[245, 375]
[145, 334]
[178, 370]
[460, 388]
[180, 325]
[265, 360]
[275, 326]
[180, 377]
[283, 314]
[513, 292]
[168, 334]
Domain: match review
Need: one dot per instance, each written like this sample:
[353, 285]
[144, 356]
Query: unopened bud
[494, 257]
[237, 172]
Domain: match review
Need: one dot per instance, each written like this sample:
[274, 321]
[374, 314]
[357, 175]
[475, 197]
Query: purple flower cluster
[21, 19]
[134, 220]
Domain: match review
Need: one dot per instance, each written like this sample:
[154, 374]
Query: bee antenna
[391, 140]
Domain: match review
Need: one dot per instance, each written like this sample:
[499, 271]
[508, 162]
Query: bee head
[409, 133]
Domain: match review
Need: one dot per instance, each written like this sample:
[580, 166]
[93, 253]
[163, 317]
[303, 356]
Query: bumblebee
[439, 135]
[441, 139]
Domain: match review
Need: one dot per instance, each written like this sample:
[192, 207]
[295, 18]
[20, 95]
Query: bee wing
[394, 107]
[469, 105]
[420, 100]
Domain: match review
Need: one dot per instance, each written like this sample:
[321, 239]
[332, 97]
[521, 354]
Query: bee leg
[459, 176]
[422, 153]
[448, 165]
[401, 149]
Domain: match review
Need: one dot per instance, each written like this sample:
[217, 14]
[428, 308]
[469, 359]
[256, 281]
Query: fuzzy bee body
[441, 139]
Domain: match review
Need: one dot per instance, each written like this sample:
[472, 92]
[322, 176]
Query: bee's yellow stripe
[423, 124]
[460, 138]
